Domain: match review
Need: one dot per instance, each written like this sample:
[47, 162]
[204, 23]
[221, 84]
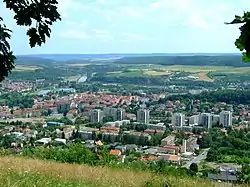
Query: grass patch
[157, 72]
[72, 78]
[20, 179]
[197, 69]
[127, 73]
[78, 65]
[26, 68]
[29, 172]
[203, 76]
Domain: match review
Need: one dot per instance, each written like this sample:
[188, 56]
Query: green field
[127, 73]
[73, 78]
[199, 71]
[26, 68]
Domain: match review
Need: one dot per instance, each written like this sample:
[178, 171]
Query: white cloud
[103, 34]
[83, 23]
[131, 11]
[135, 36]
[197, 21]
[65, 6]
[75, 34]
[101, 1]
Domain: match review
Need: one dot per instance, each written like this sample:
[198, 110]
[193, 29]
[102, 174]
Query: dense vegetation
[229, 147]
[17, 99]
[76, 153]
[222, 60]
[228, 96]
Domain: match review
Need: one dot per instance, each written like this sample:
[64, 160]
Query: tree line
[228, 96]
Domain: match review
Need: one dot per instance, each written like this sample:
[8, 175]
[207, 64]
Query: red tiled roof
[115, 152]
[148, 158]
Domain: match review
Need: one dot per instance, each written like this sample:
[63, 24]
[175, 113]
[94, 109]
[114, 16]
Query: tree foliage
[243, 42]
[37, 16]
[194, 167]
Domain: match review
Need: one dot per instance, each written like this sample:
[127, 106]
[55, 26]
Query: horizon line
[121, 53]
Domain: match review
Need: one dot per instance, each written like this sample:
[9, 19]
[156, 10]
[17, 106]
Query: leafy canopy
[37, 16]
[243, 42]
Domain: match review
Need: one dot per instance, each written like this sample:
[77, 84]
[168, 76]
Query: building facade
[143, 116]
[118, 114]
[96, 116]
[178, 119]
[226, 118]
[205, 120]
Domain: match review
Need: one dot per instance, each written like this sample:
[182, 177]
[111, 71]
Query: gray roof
[150, 151]
[222, 177]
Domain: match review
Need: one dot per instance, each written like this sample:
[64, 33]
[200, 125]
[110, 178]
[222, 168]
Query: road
[197, 159]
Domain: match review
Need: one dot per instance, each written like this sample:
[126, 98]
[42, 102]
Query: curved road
[197, 159]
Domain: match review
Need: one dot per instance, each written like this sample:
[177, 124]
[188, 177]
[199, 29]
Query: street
[197, 159]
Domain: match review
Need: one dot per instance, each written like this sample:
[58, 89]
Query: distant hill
[66, 57]
[196, 59]
[26, 60]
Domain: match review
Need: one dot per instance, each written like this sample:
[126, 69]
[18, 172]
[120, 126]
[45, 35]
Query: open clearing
[156, 73]
[199, 71]
[78, 65]
[26, 68]
[72, 78]
[203, 77]
[127, 73]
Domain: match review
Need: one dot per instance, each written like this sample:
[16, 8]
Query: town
[147, 125]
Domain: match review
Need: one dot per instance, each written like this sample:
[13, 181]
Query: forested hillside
[224, 60]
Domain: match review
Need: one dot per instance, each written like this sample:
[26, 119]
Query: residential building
[205, 120]
[116, 153]
[148, 158]
[170, 158]
[158, 126]
[96, 116]
[192, 144]
[226, 118]
[169, 149]
[178, 119]
[62, 106]
[169, 140]
[143, 116]
[152, 131]
[215, 119]
[194, 120]
[118, 114]
[109, 129]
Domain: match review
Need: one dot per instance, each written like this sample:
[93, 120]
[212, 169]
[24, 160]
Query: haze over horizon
[156, 26]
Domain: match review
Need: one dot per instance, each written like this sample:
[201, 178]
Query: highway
[197, 159]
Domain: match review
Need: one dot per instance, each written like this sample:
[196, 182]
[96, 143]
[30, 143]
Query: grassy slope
[28, 172]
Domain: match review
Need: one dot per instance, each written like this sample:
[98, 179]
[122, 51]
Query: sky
[136, 26]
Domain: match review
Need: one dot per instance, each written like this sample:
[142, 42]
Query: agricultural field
[200, 71]
[78, 65]
[73, 78]
[127, 73]
[157, 72]
[203, 76]
[26, 68]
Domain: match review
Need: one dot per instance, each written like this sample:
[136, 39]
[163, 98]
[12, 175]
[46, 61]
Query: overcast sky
[137, 26]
